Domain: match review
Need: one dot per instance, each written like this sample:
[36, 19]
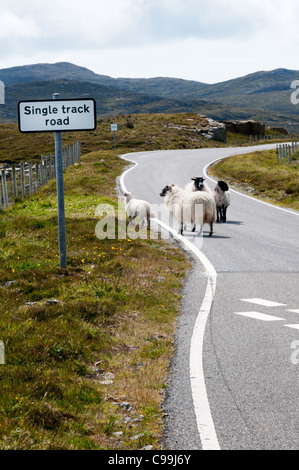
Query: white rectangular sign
[57, 115]
[114, 127]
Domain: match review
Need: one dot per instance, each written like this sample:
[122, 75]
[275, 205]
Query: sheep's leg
[211, 229]
[224, 214]
[132, 217]
[218, 214]
[181, 228]
[193, 223]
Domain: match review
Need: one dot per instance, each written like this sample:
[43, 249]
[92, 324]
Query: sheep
[197, 184]
[222, 200]
[183, 204]
[138, 207]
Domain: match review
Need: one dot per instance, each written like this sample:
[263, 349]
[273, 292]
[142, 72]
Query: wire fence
[24, 179]
[286, 151]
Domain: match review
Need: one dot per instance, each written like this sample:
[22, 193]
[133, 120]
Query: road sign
[114, 128]
[56, 116]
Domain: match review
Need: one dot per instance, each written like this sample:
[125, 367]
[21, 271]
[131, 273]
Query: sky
[208, 41]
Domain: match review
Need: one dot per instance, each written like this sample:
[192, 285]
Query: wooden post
[23, 179]
[30, 179]
[4, 189]
[14, 181]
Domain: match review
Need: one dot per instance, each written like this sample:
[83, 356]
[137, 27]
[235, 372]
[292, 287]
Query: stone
[214, 130]
[246, 127]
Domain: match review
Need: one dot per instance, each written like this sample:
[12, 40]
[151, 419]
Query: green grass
[81, 342]
[64, 330]
[135, 133]
[260, 174]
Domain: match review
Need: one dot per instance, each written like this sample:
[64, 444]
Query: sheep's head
[222, 185]
[198, 182]
[128, 196]
[166, 189]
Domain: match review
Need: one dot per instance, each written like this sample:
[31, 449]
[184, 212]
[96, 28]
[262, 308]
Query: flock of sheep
[196, 204]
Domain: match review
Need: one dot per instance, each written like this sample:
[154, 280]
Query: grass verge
[260, 175]
[87, 349]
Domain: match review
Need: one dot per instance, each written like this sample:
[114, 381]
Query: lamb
[138, 207]
[197, 184]
[184, 206]
[222, 200]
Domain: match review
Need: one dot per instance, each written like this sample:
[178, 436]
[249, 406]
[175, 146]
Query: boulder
[247, 127]
[214, 130]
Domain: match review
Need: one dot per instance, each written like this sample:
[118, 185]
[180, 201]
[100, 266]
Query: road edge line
[204, 420]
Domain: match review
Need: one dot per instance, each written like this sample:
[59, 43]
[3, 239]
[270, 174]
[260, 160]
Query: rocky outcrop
[214, 130]
[248, 127]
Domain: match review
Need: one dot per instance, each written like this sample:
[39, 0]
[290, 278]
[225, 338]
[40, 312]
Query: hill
[263, 95]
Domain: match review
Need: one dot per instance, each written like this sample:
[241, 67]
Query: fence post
[4, 189]
[23, 180]
[14, 180]
[30, 179]
[37, 175]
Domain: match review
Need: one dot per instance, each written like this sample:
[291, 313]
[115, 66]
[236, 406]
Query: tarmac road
[250, 336]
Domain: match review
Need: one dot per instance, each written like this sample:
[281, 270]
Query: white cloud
[13, 26]
[195, 39]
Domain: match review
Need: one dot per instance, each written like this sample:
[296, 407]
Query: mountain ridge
[262, 95]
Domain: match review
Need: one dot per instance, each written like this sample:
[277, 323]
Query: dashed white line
[295, 310]
[259, 316]
[264, 302]
[296, 326]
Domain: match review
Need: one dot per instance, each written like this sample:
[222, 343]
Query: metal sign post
[60, 195]
[114, 128]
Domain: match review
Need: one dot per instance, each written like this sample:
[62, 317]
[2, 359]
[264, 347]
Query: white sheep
[138, 208]
[222, 200]
[197, 184]
[195, 207]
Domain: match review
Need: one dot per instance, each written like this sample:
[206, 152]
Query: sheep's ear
[193, 179]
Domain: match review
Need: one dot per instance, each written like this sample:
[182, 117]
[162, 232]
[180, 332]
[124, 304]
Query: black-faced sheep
[195, 207]
[138, 208]
[222, 200]
[198, 184]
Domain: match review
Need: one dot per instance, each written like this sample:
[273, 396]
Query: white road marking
[259, 316]
[295, 310]
[296, 326]
[265, 303]
[204, 420]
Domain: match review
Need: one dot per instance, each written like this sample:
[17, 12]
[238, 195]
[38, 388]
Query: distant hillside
[262, 95]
